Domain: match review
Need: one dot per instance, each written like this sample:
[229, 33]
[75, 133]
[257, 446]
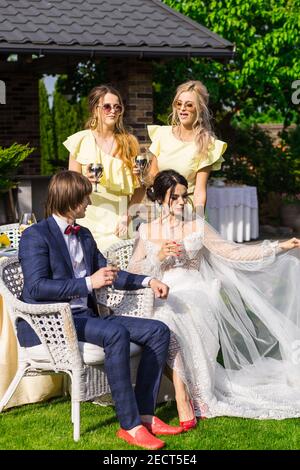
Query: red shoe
[190, 424]
[142, 438]
[187, 425]
[159, 427]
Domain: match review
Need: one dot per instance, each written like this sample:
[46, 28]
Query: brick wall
[133, 78]
[19, 117]
[274, 130]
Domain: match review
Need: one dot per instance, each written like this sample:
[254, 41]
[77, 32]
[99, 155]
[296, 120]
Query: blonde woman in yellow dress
[106, 141]
[189, 145]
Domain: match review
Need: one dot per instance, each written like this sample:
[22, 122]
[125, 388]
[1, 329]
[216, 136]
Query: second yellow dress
[183, 157]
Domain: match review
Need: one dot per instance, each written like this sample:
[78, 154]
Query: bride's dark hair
[163, 181]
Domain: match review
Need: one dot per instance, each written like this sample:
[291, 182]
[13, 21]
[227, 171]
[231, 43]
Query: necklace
[105, 144]
[173, 231]
[189, 133]
[108, 145]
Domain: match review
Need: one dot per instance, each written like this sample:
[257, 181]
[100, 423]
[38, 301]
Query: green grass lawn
[48, 426]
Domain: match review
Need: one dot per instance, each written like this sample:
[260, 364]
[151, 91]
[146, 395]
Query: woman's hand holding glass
[122, 226]
[94, 171]
[170, 248]
[141, 167]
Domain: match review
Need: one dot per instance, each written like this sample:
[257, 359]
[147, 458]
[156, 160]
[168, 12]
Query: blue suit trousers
[114, 333]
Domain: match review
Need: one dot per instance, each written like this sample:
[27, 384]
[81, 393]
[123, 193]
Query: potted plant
[10, 159]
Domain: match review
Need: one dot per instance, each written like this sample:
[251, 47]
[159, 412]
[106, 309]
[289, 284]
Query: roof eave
[226, 53]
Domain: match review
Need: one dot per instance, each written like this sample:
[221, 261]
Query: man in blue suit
[61, 263]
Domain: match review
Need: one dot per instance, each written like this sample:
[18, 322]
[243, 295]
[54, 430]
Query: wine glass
[112, 261]
[142, 163]
[178, 262]
[26, 219]
[96, 169]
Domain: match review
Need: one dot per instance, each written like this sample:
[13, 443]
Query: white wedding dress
[242, 300]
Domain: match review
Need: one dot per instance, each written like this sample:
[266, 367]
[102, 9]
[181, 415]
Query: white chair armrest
[130, 302]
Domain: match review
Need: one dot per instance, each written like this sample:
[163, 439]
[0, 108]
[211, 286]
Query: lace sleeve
[145, 259]
[246, 257]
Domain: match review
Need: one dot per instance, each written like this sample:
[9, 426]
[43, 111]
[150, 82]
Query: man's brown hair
[66, 191]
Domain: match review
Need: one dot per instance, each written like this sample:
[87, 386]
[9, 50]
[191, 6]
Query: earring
[157, 209]
[94, 123]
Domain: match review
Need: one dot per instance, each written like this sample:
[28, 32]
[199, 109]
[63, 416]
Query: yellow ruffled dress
[115, 188]
[183, 157]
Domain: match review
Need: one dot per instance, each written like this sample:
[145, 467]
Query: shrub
[10, 159]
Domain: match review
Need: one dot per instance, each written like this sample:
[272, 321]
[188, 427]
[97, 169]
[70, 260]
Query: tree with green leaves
[267, 60]
[46, 132]
[67, 120]
[255, 86]
[83, 78]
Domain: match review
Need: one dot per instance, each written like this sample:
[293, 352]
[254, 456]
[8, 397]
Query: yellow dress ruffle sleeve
[76, 143]
[181, 156]
[214, 156]
[155, 135]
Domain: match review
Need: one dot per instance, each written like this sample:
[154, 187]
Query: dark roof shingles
[102, 23]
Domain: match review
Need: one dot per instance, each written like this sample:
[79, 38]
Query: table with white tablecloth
[30, 389]
[233, 211]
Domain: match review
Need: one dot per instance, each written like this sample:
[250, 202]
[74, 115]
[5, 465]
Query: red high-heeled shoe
[191, 423]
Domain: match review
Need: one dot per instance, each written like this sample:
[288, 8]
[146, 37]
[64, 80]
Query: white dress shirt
[76, 254]
[77, 259]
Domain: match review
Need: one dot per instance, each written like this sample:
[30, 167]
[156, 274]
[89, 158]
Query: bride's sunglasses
[189, 105]
[107, 108]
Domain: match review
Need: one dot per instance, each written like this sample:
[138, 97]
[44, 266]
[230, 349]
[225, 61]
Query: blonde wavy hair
[202, 124]
[127, 145]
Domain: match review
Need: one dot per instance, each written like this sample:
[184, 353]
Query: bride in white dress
[233, 310]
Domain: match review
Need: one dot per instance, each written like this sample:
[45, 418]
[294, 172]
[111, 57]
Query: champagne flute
[142, 163]
[178, 262]
[112, 261]
[26, 219]
[96, 169]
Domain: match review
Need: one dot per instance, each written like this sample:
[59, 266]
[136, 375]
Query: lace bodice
[190, 257]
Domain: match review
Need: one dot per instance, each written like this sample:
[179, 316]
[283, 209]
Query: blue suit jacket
[47, 267]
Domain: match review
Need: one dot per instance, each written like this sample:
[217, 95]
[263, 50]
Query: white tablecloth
[30, 389]
[233, 211]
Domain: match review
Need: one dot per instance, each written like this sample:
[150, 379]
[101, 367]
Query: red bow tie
[74, 229]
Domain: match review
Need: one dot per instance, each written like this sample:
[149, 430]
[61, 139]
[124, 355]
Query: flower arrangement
[4, 240]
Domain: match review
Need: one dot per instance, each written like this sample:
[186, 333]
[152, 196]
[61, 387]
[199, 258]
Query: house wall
[19, 117]
[133, 78]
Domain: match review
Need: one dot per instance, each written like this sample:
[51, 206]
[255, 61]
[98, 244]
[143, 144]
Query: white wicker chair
[134, 303]
[60, 351]
[12, 231]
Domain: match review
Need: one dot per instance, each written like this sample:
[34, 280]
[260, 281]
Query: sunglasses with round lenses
[107, 108]
[189, 105]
